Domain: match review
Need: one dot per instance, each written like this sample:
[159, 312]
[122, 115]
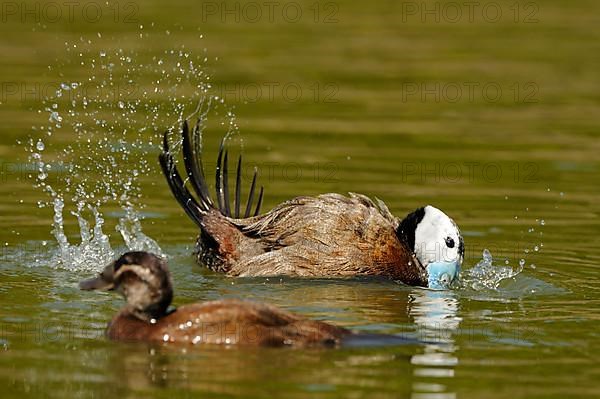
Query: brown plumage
[227, 322]
[144, 280]
[325, 236]
[308, 237]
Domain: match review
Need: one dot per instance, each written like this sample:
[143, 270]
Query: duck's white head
[436, 242]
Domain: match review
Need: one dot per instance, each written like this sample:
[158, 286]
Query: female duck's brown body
[144, 280]
[325, 236]
[226, 322]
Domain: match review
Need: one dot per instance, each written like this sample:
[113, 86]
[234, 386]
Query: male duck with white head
[330, 235]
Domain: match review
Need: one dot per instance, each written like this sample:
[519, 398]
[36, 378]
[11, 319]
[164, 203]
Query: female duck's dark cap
[106, 279]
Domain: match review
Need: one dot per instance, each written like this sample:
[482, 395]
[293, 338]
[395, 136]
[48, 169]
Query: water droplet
[40, 145]
[543, 222]
[487, 256]
[536, 248]
[522, 262]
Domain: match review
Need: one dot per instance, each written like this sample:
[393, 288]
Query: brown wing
[329, 235]
[243, 323]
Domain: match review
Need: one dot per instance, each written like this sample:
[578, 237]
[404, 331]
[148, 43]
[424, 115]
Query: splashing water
[94, 247]
[486, 276]
[116, 115]
[130, 228]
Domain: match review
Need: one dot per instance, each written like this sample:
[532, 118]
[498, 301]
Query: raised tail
[199, 204]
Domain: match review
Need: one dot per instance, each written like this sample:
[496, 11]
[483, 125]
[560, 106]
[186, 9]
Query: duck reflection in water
[435, 314]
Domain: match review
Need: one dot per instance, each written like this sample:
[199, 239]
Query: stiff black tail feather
[181, 193]
[192, 157]
[197, 206]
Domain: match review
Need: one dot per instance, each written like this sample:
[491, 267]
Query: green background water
[489, 118]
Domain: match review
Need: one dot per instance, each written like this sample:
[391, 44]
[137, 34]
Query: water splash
[94, 247]
[130, 228]
[487, 276]
[113, 120]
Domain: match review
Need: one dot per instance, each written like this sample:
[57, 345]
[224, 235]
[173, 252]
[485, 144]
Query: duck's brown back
[325, 236]
[227, 322]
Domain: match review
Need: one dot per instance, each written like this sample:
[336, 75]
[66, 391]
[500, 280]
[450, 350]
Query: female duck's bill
[103, 282]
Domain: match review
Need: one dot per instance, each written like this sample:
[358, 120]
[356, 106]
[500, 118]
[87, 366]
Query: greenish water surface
[493, 119]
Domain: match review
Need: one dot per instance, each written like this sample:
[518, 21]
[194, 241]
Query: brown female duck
[144, 280]
[325, 236]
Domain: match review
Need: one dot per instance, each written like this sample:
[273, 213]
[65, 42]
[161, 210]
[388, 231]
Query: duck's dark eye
[449, 242]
